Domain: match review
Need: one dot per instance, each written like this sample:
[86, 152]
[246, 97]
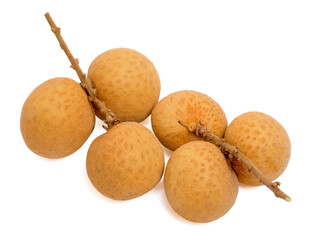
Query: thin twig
[232, 151]
[110, 117]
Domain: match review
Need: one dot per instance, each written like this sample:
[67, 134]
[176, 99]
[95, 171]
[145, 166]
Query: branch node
[276, 184]
[83, 85]
[55, 29]
[73, 65]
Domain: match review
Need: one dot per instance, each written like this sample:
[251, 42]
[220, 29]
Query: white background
[247, 55]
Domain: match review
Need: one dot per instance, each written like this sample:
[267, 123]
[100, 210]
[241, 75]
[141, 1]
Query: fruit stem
[110, 118]
[232, 151]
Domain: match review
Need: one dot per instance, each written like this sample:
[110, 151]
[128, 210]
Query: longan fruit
[187, 107]
[56, 118]
[126, 162]
[264, 141]
[127, 82]
[198, 182]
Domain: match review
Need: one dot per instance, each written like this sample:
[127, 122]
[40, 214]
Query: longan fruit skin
[199, 184]
[264, 141]
[127, 82]
[56, 118]
[126, 162]
[186, 106]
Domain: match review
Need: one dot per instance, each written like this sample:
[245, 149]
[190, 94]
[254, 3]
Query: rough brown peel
[110, 118]
[126, 162]
[127, 82]
[199, 184]
[232, 151]
[186, 106]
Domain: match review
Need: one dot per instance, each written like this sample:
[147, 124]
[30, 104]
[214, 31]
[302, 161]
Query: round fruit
[187, 107]
[264, 141]
[199, 184]
[56, 118]
[127, 82]
[125, 162]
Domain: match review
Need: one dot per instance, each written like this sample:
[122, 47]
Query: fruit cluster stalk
[110, 118]
[232, 151]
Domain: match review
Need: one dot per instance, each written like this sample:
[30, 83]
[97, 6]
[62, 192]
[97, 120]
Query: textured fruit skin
[264, 141]
[186, 106]
[56, 118]
[125, 162]
[199, 184]
[127, 82]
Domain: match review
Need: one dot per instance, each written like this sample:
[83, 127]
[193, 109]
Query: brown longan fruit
[126, 162]
[127, 82]
[188, 107]
[199, 184]
[264, 141]
[56, 118]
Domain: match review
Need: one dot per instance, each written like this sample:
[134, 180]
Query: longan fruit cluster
[259, 137]
[122, 88]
